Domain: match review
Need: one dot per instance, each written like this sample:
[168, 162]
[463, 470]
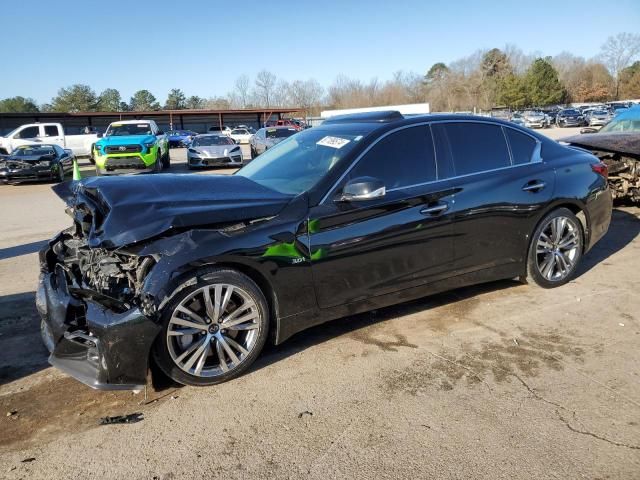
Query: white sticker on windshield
[333, 142]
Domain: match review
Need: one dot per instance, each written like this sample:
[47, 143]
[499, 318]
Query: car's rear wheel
[157, 166]
[556, 249]
[212, 330]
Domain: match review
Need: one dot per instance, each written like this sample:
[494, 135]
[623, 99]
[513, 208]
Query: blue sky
[202, 46]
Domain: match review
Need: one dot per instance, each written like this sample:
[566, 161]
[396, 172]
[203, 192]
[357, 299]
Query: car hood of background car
[216, 150]
[29, 158]
[129, 209]
[612, 142]
[126, 140]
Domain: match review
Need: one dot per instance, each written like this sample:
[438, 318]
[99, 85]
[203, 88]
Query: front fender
[286, 274]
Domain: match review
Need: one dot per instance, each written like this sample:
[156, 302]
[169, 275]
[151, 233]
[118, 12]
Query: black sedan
[196, 273]
[36, 162]
[570, 117]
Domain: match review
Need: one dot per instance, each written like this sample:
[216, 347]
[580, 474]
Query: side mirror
[160, 132]
[363, 188]
[589, 130]
[99, 135]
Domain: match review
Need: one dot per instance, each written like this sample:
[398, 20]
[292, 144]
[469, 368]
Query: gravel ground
[497, 381]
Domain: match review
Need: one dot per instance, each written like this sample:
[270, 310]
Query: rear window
[522, 146]
[470, 148]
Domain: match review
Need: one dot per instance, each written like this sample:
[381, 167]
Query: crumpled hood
[622, 142]
[129, 209]
[126, 140]
[29, 158]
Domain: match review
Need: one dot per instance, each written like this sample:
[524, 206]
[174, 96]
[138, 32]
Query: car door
[53, 135]
[260, 146]
[385, 244]
[27, 135]
[65, 159]
[501, 185]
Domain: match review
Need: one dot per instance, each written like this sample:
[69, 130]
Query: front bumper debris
[27, 173]
[96, 341]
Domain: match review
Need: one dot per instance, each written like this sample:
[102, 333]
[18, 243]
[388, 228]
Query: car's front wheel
[556, 249]
[213, 330]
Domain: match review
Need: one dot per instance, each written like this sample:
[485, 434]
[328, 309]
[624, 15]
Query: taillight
[601, 169]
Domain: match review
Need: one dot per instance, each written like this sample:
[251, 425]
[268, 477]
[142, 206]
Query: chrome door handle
[441, 207]
[530, 187]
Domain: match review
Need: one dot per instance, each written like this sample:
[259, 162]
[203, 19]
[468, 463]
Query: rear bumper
[94, 344]
[600, 210]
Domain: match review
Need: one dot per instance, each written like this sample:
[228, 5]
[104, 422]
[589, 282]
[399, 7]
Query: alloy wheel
[213, 330]
[558, 248]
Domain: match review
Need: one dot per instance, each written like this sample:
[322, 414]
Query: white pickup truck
[50, 133]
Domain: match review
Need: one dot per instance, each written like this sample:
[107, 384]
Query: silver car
[598, 117]
[534, 119]
[213, 150]
[266, 138]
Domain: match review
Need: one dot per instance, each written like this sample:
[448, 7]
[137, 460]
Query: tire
[91, 159]
[254, 154]
[553, 259]
[60, 173]
[157, 165]
[166, 160]
[197, 357]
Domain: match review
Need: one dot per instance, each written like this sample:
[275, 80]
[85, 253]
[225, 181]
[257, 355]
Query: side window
[474, 147]
[522, 146]
[50, 131]
[29, 132]
[59, 150]
[401, 159]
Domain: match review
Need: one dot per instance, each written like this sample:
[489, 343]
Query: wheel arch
[577, 209]
[267, 289]
[187, 275]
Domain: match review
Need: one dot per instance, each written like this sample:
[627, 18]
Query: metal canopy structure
[198, 120]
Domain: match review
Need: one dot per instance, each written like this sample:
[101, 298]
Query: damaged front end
[94, 320]
[624, 174]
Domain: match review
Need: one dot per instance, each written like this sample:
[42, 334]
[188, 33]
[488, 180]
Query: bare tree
[306, 94]
[618, 52]
[242, 86]
[281, 97]
[264, 87]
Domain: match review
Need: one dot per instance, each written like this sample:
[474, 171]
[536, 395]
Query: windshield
[626, 125]
[280, 132]
[570, 112]
[123, 129]
[33, 151]
[298, 163]
[212, 140]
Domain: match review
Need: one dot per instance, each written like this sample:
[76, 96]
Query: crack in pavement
[591, 434]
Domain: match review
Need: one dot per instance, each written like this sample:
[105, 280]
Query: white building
[409, 109]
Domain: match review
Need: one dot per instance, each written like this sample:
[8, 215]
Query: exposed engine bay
[108, 273]
[624, 174]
